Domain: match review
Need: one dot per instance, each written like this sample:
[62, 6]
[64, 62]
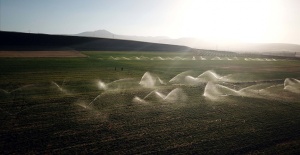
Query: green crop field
[149, 102]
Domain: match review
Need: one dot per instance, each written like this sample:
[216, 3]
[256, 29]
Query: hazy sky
[213, 20]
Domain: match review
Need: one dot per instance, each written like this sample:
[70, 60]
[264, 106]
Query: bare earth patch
[30, 54]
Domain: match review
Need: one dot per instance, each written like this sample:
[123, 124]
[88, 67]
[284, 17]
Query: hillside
[15, 41]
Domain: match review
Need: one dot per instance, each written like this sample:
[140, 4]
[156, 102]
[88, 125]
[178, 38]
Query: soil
[30, 54]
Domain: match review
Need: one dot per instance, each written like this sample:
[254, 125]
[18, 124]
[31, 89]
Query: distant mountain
[107, 34]
[202, 44]
[98, 34]
[271, 47]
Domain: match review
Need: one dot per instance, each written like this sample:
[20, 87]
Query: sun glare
[246, 21]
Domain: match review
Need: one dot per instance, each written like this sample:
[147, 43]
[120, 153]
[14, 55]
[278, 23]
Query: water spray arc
[174, 96]
[149, 81]
[292, 85]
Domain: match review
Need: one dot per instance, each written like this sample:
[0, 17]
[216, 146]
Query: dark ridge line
[29, 41]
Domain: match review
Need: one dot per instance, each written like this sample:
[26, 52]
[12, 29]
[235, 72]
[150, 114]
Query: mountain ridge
[200, 44]
[106, 34]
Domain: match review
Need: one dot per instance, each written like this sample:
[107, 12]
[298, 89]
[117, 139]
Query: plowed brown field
[41, 54]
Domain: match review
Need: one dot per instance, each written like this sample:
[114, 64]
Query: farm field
[149, 102]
